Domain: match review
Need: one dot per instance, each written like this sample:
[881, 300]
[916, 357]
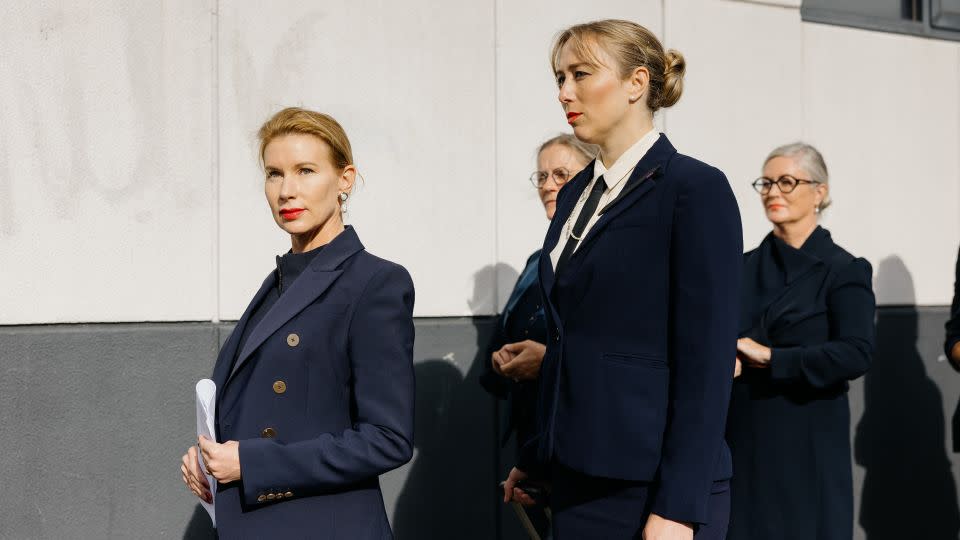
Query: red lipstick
[572, 117]
[291, 214]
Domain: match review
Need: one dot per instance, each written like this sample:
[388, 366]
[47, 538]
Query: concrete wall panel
[885, 112]
[93, 420]
[105, 192]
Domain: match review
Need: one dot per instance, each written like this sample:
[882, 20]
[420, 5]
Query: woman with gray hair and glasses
[806, 329]
[517, 348]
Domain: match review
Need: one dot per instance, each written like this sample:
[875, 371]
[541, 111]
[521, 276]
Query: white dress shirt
[615, 177]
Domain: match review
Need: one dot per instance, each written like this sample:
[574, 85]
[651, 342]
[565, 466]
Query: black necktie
[586, 212]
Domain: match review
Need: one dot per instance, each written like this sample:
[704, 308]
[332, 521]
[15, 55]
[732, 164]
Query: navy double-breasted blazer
[642, 323]
[320, 398]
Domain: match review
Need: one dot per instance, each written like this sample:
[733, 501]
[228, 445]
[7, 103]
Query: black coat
[789, 424]
[522, 319]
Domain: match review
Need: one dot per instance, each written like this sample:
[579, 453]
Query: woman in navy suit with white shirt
[315, 386]
[640, 274]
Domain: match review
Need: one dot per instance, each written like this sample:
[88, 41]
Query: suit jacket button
[293, 340]
[279, 387]
[268, 433]
[271, 496]
[288, 494]
[261, 498]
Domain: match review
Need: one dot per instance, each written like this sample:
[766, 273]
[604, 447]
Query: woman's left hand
[524, 362]
[222, 460]
[753, 354]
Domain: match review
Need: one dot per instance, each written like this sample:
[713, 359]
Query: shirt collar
[626, 163]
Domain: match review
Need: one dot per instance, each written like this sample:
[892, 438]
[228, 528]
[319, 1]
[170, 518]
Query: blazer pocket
[636, 360]
[634, 400]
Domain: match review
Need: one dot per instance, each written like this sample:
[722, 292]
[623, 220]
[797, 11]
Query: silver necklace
[583, 199]
[576, 212]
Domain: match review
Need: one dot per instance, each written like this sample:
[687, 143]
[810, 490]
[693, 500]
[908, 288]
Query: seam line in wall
[496, 163]
[215, 153]
[803, 87]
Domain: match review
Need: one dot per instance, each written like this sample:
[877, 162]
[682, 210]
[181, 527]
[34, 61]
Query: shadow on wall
[199, 527]
[450, 491]
[908, 490]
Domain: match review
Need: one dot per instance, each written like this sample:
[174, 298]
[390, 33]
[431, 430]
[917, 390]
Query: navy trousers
[588, 507]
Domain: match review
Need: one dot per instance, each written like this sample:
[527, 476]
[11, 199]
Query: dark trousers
[588, 507]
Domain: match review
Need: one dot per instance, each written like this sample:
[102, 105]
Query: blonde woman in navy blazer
[640, 274]
[315, 387]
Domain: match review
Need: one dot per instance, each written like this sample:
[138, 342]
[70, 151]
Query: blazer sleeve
[706, 259]
[847, 355]
[380, 347]
[953, 324]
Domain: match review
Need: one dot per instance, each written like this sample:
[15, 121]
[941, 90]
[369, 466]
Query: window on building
[945, 14]
[928, 18]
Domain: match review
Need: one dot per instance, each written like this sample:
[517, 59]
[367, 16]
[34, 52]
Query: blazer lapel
[229, 350]
[313, 282]
[778, 268]
[560, 216]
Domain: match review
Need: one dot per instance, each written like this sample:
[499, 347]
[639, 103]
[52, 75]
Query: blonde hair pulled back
[303, 121]
[631, 46]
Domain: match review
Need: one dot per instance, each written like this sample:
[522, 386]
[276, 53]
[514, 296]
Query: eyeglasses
[785, 184]
[559, 175]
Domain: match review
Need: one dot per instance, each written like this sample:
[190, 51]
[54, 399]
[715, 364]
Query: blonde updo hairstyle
[631, 46]
[303, 121]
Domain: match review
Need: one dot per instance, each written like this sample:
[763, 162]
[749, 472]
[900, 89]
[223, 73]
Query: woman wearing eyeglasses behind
[518, 346]
[806, 330]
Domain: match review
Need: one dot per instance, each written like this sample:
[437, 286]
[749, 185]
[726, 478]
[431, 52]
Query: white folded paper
[206, 407]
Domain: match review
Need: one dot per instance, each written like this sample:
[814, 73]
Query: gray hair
[810, 160]
[586, 151]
